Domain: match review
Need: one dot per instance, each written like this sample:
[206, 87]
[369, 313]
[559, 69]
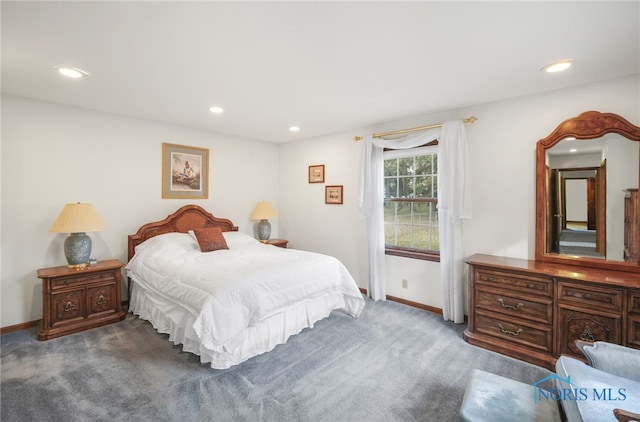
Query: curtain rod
[414, 129]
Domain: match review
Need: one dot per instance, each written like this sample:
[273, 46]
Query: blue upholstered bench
[491, 398]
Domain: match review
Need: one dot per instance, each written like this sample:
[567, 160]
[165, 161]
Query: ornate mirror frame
[588, 125]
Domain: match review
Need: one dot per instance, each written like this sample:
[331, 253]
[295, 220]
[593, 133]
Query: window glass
[410, 205]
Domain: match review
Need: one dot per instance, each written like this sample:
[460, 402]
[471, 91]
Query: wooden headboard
[189, 217]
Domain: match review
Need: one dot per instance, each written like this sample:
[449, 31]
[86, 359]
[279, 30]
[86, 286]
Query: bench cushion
[490, 397]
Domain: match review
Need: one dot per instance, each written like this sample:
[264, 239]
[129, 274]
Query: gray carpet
[394, 363]
[578, 236]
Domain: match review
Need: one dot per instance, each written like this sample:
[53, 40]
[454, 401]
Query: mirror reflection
[587, 181]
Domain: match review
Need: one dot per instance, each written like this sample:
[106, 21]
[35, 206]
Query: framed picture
[333, 194]
[316, 173]
[185, 172]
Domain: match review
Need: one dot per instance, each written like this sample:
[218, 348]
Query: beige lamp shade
[264, 211]
[77, 218]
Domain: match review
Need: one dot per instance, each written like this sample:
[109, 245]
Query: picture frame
[185, 172]
[316, 173]
[333, 194]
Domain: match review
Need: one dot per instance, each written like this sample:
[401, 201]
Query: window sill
[412, 253]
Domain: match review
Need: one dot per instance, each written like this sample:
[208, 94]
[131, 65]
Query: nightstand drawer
[515, 306]
[515, 331]
[101, 299]
[67, 281]
[67, 306]
[588, 296]
[281, 243]
[520, 282]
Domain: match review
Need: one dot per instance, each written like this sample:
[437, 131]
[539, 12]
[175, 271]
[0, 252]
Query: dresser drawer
[528, 284]
[576, 324]
[518, 306]
[515, 331]
[634, 301]
[633, 331]
[590, 296]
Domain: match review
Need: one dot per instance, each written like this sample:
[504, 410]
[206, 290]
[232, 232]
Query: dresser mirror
[584, 170]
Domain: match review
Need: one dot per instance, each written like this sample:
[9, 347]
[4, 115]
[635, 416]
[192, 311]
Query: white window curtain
[453, 205]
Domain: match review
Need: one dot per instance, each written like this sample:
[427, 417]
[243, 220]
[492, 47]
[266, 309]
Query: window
[410, 203]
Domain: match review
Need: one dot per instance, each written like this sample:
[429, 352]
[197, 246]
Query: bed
[237, 299]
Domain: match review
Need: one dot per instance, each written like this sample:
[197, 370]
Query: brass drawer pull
[587, 335]
[69, 307]
[513, 333]
[587, 295]
[101, 300]
[515, 308]
[490, 278]
[531, 285]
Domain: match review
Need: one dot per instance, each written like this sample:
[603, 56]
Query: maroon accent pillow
[210, 239]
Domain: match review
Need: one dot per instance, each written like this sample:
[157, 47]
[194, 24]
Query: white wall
[502, 150]
[576, 200]
[305, 219]
[53, 154]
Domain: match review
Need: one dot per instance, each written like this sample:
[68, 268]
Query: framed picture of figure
[185, 172]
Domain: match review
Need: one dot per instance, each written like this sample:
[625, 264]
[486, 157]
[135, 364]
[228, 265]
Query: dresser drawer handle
[513, 333]
[515, 308]
[101, 300]
[531, 285]
[587, 295]
[490, 278]
[587, 335]
[69, 307]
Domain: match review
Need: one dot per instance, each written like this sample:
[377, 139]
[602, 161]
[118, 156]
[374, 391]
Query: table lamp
[263, 212]
[77, 219]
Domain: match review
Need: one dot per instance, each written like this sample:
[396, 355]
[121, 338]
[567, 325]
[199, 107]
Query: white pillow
[236, 239]
[179, 240]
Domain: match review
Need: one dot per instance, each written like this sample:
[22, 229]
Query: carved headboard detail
[189, 217]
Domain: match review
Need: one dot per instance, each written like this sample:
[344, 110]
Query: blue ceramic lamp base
[264, 231]
[77, 249]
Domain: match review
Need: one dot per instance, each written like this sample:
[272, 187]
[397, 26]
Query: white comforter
[228, 291]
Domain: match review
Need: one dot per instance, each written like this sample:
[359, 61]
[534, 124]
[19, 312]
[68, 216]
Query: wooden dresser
[534, 311]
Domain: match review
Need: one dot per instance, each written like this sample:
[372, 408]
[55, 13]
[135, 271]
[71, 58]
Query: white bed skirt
[169, 318]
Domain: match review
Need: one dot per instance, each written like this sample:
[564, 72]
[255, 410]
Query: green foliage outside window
[410, 205]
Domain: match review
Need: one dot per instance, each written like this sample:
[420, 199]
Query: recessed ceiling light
[294, 129]
[216, 109]
[573, 150]
[570, 138]
[71, 72]
[557, 66]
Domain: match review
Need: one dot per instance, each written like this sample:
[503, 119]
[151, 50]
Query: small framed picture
[316, 173]
[185, 172]
[333, 194]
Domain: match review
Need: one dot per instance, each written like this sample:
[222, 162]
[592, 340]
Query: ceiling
[326, 67]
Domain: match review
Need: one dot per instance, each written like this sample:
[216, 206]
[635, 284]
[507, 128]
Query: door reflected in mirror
[586, 184]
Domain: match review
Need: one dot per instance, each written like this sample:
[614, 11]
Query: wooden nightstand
[281, 243]
[76, 300]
